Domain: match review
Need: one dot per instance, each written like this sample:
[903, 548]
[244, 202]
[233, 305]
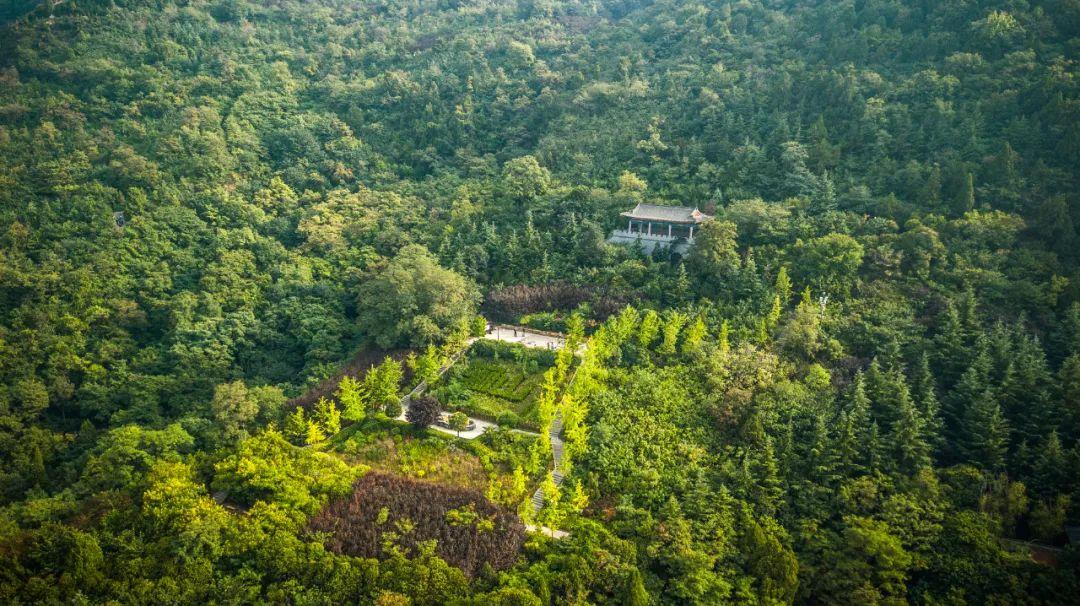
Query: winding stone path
[528, 338]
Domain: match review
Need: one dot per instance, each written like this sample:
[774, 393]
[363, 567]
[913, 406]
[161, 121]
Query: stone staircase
[556, 453]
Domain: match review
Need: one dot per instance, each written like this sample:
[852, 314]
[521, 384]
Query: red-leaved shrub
[469, 530]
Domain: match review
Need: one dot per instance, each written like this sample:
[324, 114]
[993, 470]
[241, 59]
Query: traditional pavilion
[660, 227]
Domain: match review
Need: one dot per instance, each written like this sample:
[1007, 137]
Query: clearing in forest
[497, 381]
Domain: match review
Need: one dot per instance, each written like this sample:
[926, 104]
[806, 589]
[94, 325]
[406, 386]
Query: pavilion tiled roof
[667, 214]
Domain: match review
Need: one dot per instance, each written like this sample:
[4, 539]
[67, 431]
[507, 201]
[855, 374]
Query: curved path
[528, 338]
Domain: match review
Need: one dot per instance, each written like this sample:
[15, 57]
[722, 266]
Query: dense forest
[234, 232]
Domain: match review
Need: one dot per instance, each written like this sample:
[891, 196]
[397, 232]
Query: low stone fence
[529, 329]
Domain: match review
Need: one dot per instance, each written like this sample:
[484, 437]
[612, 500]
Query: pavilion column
[630, 225]
[650, 228]
[669, 230]
[691, 233]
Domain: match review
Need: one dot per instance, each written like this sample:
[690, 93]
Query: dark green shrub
[508, 418]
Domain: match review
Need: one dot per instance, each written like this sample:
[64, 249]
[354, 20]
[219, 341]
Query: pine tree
[985, 436]
[314, 433]
[848, 446]
[879, 390]
[929, 196]
[649, 329]
[1069, 381]
[783, 286]
[353, 404]
[699, 500]
[926, 402]
[694, 335]
[910, 451]
[874, 449]
[1050, 468]
[1025, 393]
[858, 425]
[296, 427]
[681, 291]
[965, 196]
[1000, 346]
[1069, 332]
[968, 308]
[769, 490]
[950, 350]
[890, 355]
[749, 284]
[774, 314]
[973, 387]
[327, 415]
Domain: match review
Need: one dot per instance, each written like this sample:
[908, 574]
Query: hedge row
[501, 350]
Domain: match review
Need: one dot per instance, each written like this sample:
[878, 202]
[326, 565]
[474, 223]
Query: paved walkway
[528, 338]
[524, 336]
[472, 434]
[498, 332]
[481, 425]
[551, 532]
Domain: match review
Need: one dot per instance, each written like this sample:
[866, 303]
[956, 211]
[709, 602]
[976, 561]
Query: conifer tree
[965, 196]
[769, 489]
[985, 435]
[296, 427]
[926, 402]
[694, 335]
[783, 286]
[774, 314]
[874, 449]
[1050, 468]
[327, 415]
[353, 404]
[950, 350]
[1024, 393]
[848, 446]
[968, 309]
[1000, 347]
[973, 388]
[649, 329]
[1069, 385]
[910, 451]
[314, 433]
[858, 424]
[681, 290]
[672, 327]
[822, 456]
[879, 390]
[724, 339]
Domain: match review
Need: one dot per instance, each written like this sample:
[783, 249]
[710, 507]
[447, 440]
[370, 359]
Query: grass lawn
[397, 449]
[392, 447]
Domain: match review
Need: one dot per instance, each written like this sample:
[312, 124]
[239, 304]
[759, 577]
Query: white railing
[631, 235]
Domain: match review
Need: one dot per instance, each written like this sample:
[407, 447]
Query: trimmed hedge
[501, 379]
[487, 348]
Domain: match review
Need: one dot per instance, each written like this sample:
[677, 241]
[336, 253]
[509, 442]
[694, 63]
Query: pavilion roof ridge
[667, 214]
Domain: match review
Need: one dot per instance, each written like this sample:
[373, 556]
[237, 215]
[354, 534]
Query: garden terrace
[498, 381]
